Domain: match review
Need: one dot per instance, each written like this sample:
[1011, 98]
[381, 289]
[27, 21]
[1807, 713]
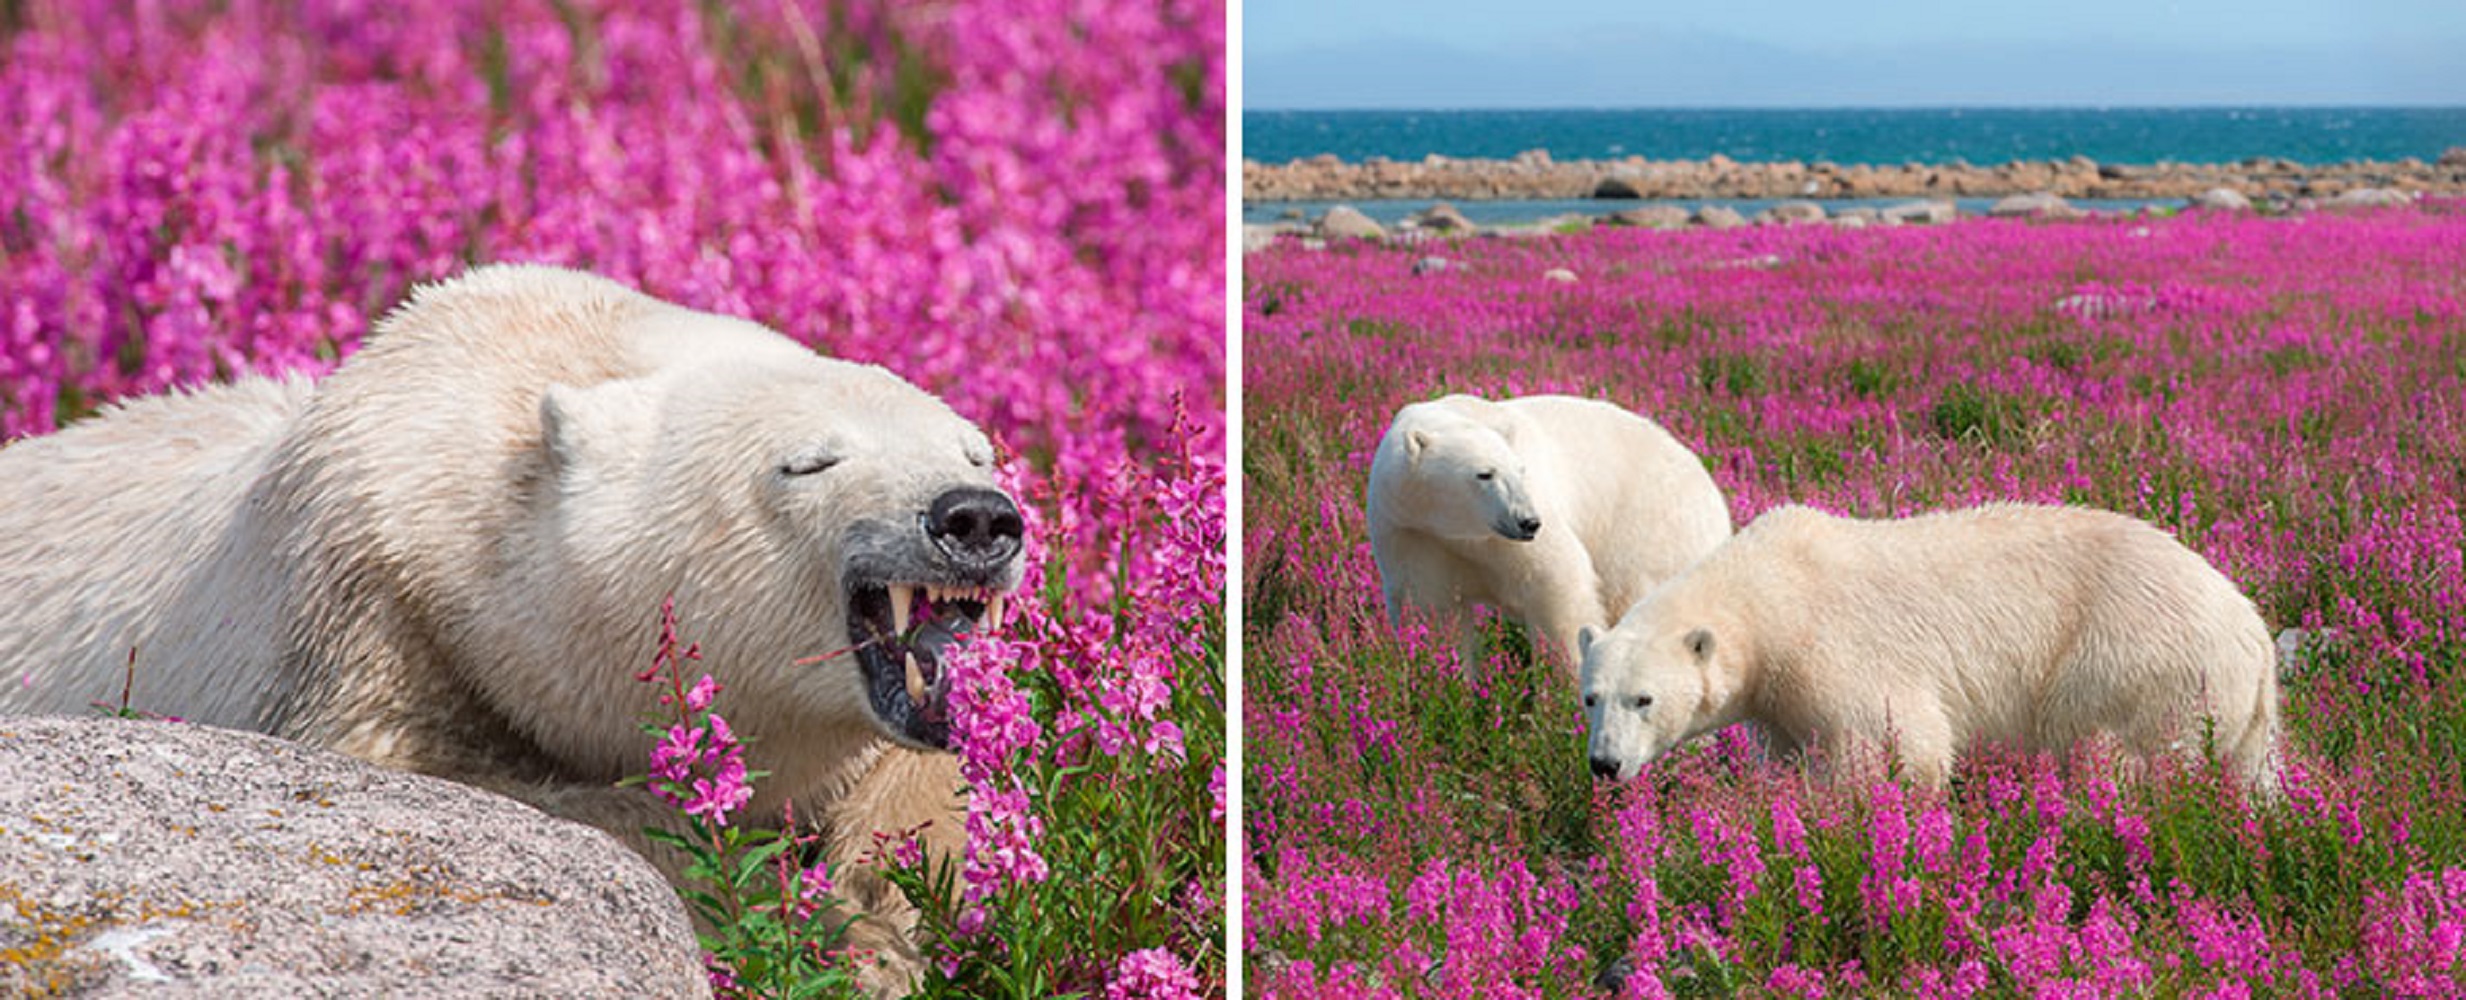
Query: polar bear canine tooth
[900, 598]
[917, 688]
[993, 611]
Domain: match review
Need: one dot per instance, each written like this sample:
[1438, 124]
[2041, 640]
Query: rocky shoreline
[1443, 219]
[1534, 175]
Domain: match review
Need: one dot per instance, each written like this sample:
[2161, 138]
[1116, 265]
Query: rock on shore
[165, 859]
[1534, 175]
[1344, 222]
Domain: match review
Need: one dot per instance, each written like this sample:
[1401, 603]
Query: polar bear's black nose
[1604, 768]
[976, 527]
[1531, 526]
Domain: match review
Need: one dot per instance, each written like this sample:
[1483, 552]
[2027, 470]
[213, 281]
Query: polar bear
[450, 555]
[2028, 626]
[1556, 511]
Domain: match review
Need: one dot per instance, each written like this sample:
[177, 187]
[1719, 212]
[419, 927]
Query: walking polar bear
[450, 556]
[2029, 626]
[1557, 512]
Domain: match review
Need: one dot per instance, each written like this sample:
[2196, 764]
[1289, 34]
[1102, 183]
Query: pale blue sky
[1811, 53]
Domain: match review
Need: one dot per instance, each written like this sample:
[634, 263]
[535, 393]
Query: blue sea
[1866, 136]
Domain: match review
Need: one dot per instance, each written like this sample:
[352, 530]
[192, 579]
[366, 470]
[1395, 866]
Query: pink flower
[1789, 980]
[673, 757]
[1016, 206]
[813, 888]
[1788, 833]
[723, 792]
[1933, 839]
[1807, 883]
[699, 696]
[990, 719]
[1152, 974]
[722, 978]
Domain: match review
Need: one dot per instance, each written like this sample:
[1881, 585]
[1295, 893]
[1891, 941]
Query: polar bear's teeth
[916, 681]
[993, 611]
[900, 598]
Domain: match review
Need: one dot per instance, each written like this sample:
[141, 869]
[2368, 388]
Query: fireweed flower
[1152, 974]
[814, 887]
[1884, 888]
[1788, 833]
[699, 696]
[992, 725]
[2415, 937]
[1639, 831]
[1024, 203]
[724, 791]
[1791, 981]
[700, 769]
[2281, 394]
[723, 980]
[673, 757]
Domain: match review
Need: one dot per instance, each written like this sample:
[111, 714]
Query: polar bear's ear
[1700, 644]
[1414, 442]
[1584, 641]
[587, 424]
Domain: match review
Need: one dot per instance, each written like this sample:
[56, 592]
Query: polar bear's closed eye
[809, 460]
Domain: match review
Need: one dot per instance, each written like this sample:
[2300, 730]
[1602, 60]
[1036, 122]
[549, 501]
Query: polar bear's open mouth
[900, 630]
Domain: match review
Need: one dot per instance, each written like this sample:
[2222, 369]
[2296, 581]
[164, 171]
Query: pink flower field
[1018, 206]
[2287, 396]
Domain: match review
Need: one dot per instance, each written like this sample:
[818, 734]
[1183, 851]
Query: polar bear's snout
[917, 588]
[977, 529]
[1517, 521]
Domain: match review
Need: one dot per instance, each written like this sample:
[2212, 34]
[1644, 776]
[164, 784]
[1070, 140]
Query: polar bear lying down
[1556, 511]
[2034, 627]
[449, 556]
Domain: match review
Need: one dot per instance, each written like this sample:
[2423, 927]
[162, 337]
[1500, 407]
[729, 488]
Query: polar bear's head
[827, 528]
[1462, 476]
[1662, 676]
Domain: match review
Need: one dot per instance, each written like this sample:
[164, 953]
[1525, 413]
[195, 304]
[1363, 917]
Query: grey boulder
[2222, 199]
[1649, 217]
[1921, 213]
[1719, 217]
[2041, 205]
[1347, 222]
[181, 860]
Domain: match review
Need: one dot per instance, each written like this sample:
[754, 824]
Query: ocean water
[1868, 136]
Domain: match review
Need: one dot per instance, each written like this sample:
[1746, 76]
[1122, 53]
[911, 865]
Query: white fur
[1622, 506]
[449, 556]
[2033, 627]
[126, 534]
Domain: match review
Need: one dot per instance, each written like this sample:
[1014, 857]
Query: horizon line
[2108, 106]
